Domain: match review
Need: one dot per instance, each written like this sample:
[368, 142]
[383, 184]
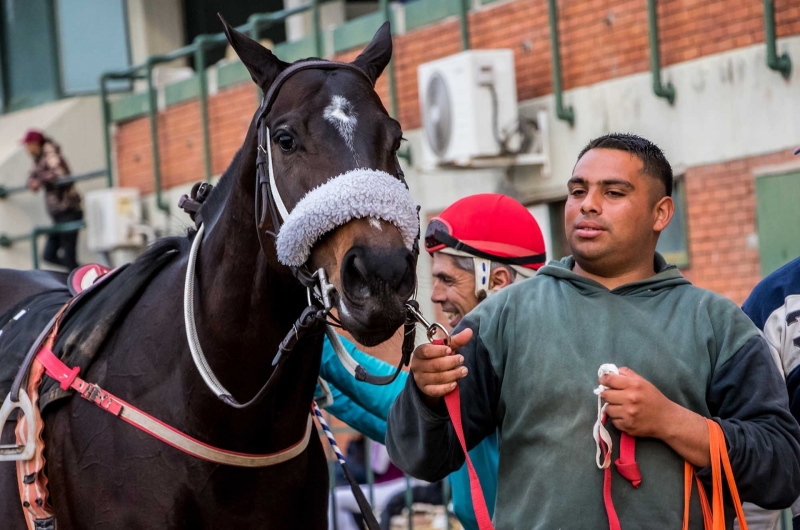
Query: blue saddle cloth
[84, 328]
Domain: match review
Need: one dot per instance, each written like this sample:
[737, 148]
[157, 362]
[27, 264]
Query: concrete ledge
[181, 91]
[359, 31]
[424, 12]
[131, 106]
[292, 51]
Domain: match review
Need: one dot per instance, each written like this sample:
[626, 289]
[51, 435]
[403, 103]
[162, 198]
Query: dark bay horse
[105, 474]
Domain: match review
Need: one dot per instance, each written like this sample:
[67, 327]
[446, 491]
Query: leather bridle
[269, 209]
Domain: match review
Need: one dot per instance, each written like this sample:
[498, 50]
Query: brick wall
[721, 213]
[601, 39]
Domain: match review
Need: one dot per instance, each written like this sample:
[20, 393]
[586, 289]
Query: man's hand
[436, 371]
[638, 408]
[635, 405]
[33, 184]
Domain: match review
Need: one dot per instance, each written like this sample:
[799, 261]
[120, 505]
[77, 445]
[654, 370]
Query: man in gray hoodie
[528, 360]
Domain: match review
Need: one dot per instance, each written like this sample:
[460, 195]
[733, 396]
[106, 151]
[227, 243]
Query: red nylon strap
[453, 403]
[68, 378]
[626, 463]
[627, 467]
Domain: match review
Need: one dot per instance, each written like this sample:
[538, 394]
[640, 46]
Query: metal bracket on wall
[564, 113]
[659, 88]
[783, 63]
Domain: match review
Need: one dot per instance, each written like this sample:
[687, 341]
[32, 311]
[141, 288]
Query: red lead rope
[627, 467]
[453, 403]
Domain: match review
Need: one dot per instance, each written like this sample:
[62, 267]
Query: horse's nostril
[354, 276]
[377, 272]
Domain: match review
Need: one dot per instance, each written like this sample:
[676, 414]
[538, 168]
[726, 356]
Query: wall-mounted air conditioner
[114, 219]
[470, 114]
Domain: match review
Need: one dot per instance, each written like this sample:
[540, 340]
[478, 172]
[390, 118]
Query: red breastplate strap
[627, 467]
[68, 379]
[453, 403]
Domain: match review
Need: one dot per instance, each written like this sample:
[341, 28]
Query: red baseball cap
[489, 226]
[33, 136]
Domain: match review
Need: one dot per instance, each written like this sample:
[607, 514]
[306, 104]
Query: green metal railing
[783, 63]
[659, 89]
[564, 113]
[6, 192]
[199, 47]
[409, 501]
[8, 241]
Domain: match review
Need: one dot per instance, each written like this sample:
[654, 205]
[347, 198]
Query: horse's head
[333, 149]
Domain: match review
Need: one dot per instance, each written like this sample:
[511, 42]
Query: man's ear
[262, 64]
[500, 277]
[377, 55]
[663, 212]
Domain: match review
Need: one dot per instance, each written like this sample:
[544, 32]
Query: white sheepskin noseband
[357, 194]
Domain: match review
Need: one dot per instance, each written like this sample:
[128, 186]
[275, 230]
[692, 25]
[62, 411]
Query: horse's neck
[246, 302]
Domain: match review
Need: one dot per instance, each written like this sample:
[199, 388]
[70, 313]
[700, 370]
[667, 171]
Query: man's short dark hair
[654, 163]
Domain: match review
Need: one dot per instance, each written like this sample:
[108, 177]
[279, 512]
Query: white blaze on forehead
[341, 114]
[374, 222]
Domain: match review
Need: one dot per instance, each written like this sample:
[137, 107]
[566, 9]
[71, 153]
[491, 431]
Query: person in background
[774, 307]
[62, 200]
[480, 245]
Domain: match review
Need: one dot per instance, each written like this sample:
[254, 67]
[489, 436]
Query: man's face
[612, 214]
[453, 288]
[33, 148]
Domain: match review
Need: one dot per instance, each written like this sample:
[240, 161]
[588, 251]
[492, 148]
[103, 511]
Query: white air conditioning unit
[113, 219]
[470, 115]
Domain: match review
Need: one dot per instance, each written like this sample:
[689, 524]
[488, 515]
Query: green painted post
[386, 9]
[564, 113]
[370, 472]
[316, 27]
[35, 248]
[782, 64]
[152, 114]
[104, 104]
[202, 86]
[659, 89]
[463, 17]
[409, 502]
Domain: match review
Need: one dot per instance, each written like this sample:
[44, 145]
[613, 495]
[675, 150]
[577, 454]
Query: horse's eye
[286, 143]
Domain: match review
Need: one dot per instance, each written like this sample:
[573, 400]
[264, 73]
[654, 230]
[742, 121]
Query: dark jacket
[48, 168]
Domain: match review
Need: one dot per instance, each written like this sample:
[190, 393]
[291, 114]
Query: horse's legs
[10, 504]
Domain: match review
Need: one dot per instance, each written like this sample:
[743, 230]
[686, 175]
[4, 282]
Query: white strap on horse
[599, 432]
[276, 195]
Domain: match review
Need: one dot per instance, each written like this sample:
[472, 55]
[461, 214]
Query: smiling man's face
[453, 288]
[611, 213]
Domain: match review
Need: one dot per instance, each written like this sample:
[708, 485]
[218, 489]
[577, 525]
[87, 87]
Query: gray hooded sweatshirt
[533, 363]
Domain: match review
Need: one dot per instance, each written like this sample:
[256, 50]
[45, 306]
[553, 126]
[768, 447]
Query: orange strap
[713, 514]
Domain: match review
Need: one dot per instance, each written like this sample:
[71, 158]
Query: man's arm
[747, 396]
[355, 416]
[420, 437]
[377, 400]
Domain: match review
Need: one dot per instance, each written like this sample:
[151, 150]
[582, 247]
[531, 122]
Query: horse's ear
[262, 64]
[378, 54]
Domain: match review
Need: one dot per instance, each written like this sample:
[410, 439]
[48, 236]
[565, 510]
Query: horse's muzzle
[375, 283]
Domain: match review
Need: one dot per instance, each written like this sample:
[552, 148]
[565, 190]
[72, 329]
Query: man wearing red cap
[62, 200]
[480, 245]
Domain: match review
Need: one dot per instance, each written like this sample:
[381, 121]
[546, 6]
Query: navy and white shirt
[774, 306]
